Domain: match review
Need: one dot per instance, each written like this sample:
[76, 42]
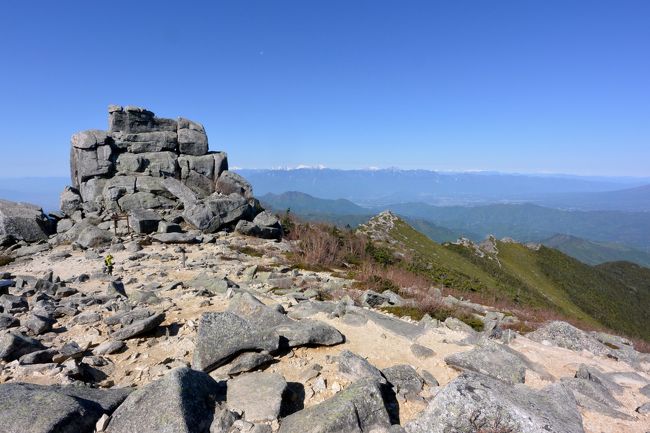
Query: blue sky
[515, 86]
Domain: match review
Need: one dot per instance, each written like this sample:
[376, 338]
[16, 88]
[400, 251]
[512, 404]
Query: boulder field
[205, 327]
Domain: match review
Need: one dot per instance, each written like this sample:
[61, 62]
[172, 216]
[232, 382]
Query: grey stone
[244, 362]
[38, 324]
[145, 142]
[109, 347]
[458, 325]
[404, 378]
[474, 398]
[115, 288]
[70, 200]
[567, 336]
[167, 227]
[176, 238]
[595, 397]
[23, 221]
[267, 219]
[180, 191]
[88, 163]
[645, 390]
[93, 237]
[8, 321]
[355, 367]
[92, 189]
[370, 298]
[257, 396]
[54, 409]
[192, 139]
[296, 333]
[491, 359]
[183, 401]
[89, 139]
[13, 304]
[144, 200]
[644, 409]
[156, 164]
[231, 183]
[144, 220]
[223, 420]
[13, 345]
[39, 357]
[138, 328]
[68, 351]
[116, 188]
[309, 332]
[222, 335]
[251, 229]
[87, 317]
[421, 352]
[359, 408]
[216, 212]
[430, 379]
[212, 283]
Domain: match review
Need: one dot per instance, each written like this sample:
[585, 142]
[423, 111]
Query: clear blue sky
[527, 86]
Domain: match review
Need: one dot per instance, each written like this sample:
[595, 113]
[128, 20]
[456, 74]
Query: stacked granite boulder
[154, 168]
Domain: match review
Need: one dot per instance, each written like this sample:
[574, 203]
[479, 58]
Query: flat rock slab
[355, 367]
[54, 409]
[391, 324]
[257, 396]
[475, 398]
[295, 332]
[359, 408]
[404, 378]
[222, 335]
[491, 359]
[247, 361]
[183, 401]
[13, 345]
[564, 335]
[139, 327]
[176, 238]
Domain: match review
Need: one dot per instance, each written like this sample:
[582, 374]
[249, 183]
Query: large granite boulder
[492, 359]
[184, 401]
[223, 335]
[143, 162]
[473, 401]
[360, 408]
[23, 221]
[258, 396]
[54, 409]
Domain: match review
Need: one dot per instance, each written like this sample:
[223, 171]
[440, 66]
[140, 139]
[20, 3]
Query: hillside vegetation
[594, 253]
[614, 295]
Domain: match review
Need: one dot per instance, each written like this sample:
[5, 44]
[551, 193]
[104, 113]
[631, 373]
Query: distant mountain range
[382, 187]
[593, 237]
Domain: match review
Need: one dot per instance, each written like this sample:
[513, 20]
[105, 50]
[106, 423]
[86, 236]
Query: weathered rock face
[126, 168]
[473, 400]
[137, 146]
[23, 221]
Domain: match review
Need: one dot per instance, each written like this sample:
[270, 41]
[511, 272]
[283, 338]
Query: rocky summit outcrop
[159, 172]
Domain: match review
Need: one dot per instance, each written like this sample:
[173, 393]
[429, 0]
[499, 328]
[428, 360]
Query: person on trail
[108, 264]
